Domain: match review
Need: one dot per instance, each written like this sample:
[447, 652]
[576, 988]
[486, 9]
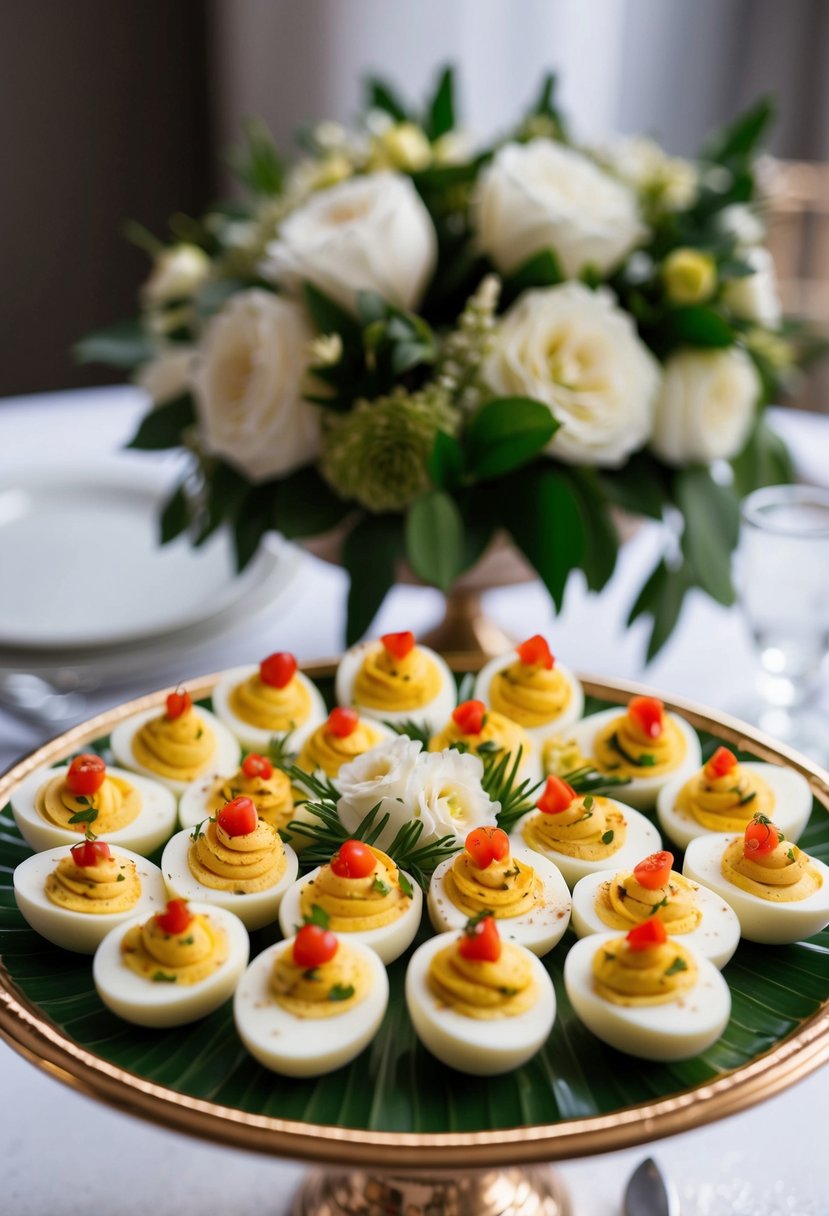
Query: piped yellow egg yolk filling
[727, 803]
[590, 832]
[622, 902]
[388, 683]
[480, 989]
[168, 958]
[117, 804]
[244, 864]
[323, 749]
[507, 736]
[271, 796]
[505, 888]
[354, 905]
[623, 748]
[111, 885]
[654, 976]
[324, 991]
[530, 693]
[179, 748]
[784, 875]
[562, 755]
[268, 708]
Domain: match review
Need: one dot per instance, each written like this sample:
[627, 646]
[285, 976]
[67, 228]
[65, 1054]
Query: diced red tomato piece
[535, 652]
[557, 796]
[651, 932]
[343, 721]
[90, 852]
[654, 871]
[399, 644]
[481, 941]
[649, 714]
[721, 764]
[86, 774]
[255, 765]
[314, 946]
[470, 716]
[485, 845]
[238, 817]
[175, 918]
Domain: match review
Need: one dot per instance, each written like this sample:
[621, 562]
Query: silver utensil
[650, 1193]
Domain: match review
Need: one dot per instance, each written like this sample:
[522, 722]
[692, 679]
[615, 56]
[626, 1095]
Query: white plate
[83, 566]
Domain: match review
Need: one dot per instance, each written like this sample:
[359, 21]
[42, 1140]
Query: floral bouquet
[425, 344]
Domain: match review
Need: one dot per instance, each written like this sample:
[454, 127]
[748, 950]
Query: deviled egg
[57, 806]
[645, 994]
[530, 686]
[236, 861]
[397, 680]
[585, 834]
[176, 745]
[74, 896]
[274, 698]
[480, 1005]
[361, 895]
[311, 1004]
[644, 745]
[342, 737]
[726, 794]
[255, 778]
[699, 917]
[779, 893]
[523, 891]
[482, 731]
[175, 967]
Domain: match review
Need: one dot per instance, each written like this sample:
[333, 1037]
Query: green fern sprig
[500, 781]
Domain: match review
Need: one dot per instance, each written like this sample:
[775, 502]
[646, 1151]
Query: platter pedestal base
[466, 631]
[531, 1191]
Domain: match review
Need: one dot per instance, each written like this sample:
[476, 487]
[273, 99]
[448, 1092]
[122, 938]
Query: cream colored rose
[643, 165]
[179, 272]
[576, 351]
[754, 297]
[369, 233]
[248, 385]
[542, 195]
[706, 407]
[168, 374]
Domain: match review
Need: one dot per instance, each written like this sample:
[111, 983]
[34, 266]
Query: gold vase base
[532, 1191]
[466, 633]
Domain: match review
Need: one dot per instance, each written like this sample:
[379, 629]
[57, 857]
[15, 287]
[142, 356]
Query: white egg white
[571, 713]
[677, 1030]
[303, 1047]
[482, 1047]
[761, 920]
[150, 828]
[147, 1003]
[224, 759]
[792, 804]
[430, 716]
[193, 805]
[641, 839]
[640, 792]
[254, 909]
[539, 929]
[80, 931]
[388, 941]
[254, 738]
[715, 938]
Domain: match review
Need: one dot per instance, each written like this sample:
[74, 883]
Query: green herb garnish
[607, 838]
[318, 916]
[341, 992]
[161, 977]
[676, 966]
[587, 802]
[311, 973]
[507, 991]
[405, 885]
[121, 878]
[87, 816]
[748, 798]
[382, 888]
[663, 903]
[790, 854]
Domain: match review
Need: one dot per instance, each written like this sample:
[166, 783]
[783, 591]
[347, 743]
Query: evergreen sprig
[587, 779]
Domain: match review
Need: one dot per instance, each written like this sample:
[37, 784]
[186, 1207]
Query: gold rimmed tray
[393, 1108]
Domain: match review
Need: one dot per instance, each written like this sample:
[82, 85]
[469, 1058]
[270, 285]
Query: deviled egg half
[311, 1004]
[275, 698]
[475, 728]
[175, 967]
[479, 1004]
[342, 737]
[644, 745]
[236, 861]
[177, 745]
[530, 686]
[584, 834]
[645, 994]
[397, 680]
[360, 895]
[256, 778]
[74, 896]
[779, 893]
[523, 891]
[57, 806]
[698, 917]
[726, 794]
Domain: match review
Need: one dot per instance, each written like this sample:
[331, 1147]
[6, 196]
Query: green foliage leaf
[740, 139]
[370, 554]
[175, 515]
[543, 269]
[440, 116]
[305, 505]
[257, 164]
[162, 428]
[329, 316]
[764, 461]
[505, 433]
[661, 598]
[446, 461]
[712, 523]
[640, 487]
[544, 517]
[124, 345]
[434, 539]
[251, 524]
[601, 543]
[381, 96]
[226, 491]
[699, 325]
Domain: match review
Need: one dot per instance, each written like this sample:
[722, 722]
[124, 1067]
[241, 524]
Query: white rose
[706, 406]
[178, 274]
[168, 374]
[741, 222]
[754, 297]
[370, 233]
[382, 775]
[580, 354]
[450, 798]
[642, 164]
[248, 385]
[542, 195]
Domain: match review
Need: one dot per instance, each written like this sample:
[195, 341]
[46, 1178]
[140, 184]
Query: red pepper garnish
[399, 644]
[654, 871]
[314, 946]
[278, 669]
[535, 652]
[485, 845]
[343, 721]
[90, 852]
[86, 774]
[175, 918]
[649, 714]
[721, 764]
[238, 817]
[480, 940]
[353, 859]
[470, 716]
[557, 796]
[255, 765]
[178, 703]
[650, 933]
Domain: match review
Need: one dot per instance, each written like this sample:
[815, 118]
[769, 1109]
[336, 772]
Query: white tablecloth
[60, 1147]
